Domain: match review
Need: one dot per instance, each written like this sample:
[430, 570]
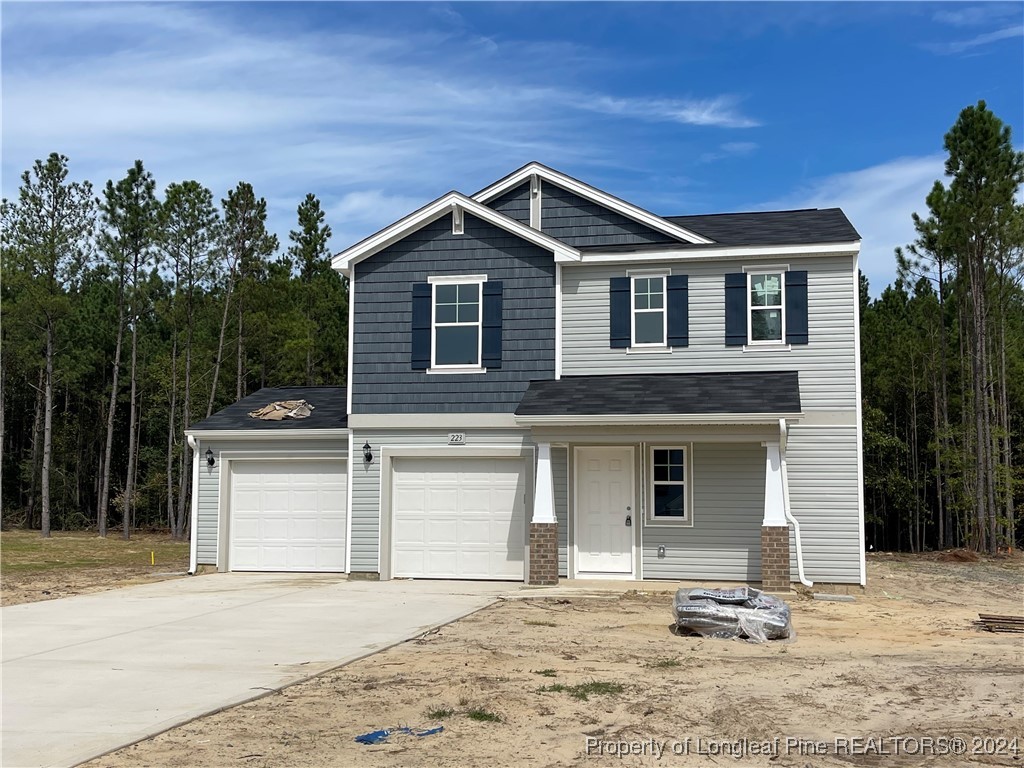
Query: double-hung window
[766, 307]
[669, 485]
[456, 324]
[650, 320]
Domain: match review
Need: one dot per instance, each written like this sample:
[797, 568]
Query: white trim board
[344, 261]
[593, 194]
[656, 418]
[712, 253]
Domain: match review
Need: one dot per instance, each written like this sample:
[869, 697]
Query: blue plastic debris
[379, 737]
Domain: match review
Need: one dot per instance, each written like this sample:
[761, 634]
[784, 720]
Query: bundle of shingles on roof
[283, 409]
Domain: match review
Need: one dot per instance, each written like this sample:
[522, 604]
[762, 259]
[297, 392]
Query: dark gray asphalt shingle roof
[330, 410]
[664, 394]
[811, 225]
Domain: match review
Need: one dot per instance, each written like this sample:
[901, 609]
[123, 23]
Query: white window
[650, 320]
[766, 307]
[456, 322]
[670, 485]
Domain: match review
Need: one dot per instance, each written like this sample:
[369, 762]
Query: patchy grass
[539, 623]
[663, 663]
[546, 672]
[483, 715]
[583, 691]
[71, 562]
[442, 713]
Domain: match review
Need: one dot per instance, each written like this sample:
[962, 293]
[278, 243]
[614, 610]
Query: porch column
[544, 524]
[775, 527]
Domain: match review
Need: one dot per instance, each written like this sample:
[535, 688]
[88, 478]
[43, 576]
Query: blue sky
[378, 108]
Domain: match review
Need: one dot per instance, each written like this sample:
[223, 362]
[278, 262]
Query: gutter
[211, 434]
[656, 419]
[785, 505]
[193, 532]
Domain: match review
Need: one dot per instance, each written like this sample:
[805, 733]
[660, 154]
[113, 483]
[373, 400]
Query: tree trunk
[104, 501]
[220, 347]
[129, 486]
[44, 478]
[239, 381]
[184, 475]
[170, 433]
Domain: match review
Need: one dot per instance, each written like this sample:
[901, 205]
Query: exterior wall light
[210, 461]
[367, 453]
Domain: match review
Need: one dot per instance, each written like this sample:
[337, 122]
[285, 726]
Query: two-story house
[545, 380]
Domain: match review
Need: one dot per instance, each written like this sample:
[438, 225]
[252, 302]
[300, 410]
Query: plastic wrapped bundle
[730, 613]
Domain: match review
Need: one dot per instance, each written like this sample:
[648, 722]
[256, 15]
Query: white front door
[605, 505]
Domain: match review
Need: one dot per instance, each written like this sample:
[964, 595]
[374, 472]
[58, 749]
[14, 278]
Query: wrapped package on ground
[721, 613]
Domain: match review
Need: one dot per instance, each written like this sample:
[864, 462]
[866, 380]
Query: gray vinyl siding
[515, 203]
[822, 468]
[383, 380]
[724, 542]
[560, 480]
[207, 521]
[366, 480]
[578, 222]
[827, 365]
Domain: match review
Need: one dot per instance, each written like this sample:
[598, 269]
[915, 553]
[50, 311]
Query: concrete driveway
[87, 674]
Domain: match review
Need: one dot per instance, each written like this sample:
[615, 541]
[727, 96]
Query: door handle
[629, 521]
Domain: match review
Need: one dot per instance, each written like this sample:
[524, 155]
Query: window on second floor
[766, 305]
[649, 313]
[456, 324]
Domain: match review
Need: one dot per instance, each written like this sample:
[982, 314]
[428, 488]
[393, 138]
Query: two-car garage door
[288, 515]
[458, 518]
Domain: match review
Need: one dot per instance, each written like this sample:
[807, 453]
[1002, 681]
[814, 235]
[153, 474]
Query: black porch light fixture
[367, 453]
[209, 458]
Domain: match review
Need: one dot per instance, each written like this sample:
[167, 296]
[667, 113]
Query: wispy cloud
[960, 46]
[721, 111]
[729, 149]
[879, 200]
[977, 15]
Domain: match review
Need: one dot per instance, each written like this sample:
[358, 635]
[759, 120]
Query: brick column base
[543, 554]
[775, 558]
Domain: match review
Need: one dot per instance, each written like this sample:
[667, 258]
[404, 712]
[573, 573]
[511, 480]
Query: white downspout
[193, 532]
[785, 505]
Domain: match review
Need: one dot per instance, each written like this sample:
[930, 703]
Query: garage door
[458, 518]
[288, 515]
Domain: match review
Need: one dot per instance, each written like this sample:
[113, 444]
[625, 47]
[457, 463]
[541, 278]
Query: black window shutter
[796, 307]
[678, 310]
[491, 341]
[618, 298]
[735, 309]
[421, 342]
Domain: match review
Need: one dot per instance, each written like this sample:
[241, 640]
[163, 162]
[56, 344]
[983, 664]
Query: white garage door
[288, 515]
[459, 518]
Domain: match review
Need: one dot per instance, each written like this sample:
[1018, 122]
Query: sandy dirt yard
[867, 683]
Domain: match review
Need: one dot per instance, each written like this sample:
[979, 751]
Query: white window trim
[436, 280]
[649, 346]
[767, 269]
[666, 522]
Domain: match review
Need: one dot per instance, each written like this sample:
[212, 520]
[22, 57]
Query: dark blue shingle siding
[383, 380]
[581, 223]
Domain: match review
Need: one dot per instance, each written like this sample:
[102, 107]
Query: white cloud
[959, 46]
[976, 15]
[721, 111]
[879, 202]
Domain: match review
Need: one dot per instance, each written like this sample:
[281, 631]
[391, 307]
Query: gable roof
[808, 225]
[662, 398]
[435, 210]
[595, 195]
[330, 411]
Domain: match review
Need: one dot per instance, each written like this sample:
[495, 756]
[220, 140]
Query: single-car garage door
[288, 515]
[459, 518]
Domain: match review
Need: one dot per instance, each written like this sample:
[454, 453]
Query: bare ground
[901, 664]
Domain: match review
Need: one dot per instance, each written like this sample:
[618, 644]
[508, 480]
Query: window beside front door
[456, 325]
[766, 307]
[670, 486]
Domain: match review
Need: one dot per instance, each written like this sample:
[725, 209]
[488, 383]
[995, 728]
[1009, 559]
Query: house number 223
[456, 438]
